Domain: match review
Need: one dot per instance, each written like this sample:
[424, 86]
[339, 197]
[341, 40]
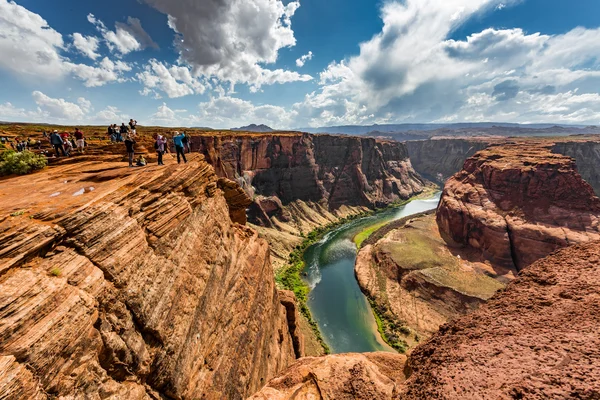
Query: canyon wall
[439, 159]
[299, 182]
[135, 283]
[587, 158]
[516, 203]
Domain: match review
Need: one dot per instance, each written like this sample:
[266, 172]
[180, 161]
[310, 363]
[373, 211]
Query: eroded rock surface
[537, 339]
[299, 182]
[417, 282]
[368, 376]
[134, 283]
[518, 203]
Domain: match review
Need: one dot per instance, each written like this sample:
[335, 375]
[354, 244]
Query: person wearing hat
[57, 142]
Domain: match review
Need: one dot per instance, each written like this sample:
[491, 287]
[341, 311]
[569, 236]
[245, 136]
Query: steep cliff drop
[537, 339]
[135, 284]
[517, 203]
[299, 182]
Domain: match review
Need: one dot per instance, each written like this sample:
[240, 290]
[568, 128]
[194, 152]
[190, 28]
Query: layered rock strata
[439, 159]
[518, 203]
[134, 283]
[586, 154]
[368, 376]
[299, 182]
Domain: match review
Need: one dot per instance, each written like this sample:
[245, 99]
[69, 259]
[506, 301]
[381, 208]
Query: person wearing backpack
[161, 147]
[178, 142]
[57, 143]
[186, 142]
[129, 146]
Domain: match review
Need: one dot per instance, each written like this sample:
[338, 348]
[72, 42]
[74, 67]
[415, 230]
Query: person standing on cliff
[57, 143]
[129, 145]
[161, 148]
[79, 140]
[178, 142]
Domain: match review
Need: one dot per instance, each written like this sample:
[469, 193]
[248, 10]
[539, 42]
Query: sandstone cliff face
[335, 170]
[368, 376]
[518, 203]
[587, 158]
[299, 182]
[439, 159]
[134, 283]
[537, 339]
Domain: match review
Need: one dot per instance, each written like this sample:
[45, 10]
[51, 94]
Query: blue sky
[228, 63]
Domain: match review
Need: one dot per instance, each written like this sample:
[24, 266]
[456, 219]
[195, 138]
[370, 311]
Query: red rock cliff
[135, 284]
[518, 203]
[333, 170]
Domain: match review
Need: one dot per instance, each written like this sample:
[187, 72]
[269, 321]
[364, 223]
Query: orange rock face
[134, 283]
[518, 203]
[537, 339]
[369, 376]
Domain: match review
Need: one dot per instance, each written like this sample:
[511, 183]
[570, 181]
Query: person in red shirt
[79, 140]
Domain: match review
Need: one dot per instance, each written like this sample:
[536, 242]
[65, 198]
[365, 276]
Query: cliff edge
[135, 283]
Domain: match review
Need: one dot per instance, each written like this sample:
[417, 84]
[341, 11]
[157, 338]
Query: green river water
[341, 310]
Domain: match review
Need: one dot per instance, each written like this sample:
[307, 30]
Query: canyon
[299, 182]
[158, 282]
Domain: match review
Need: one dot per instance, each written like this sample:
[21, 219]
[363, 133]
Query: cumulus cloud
[126, 37]
[174, 81]
[412, 71]
[232, 40]
[59, 108]
[105, 72]
[29, 46]
[228, 112]
[110, 115]
[86, 45]
[302, 60]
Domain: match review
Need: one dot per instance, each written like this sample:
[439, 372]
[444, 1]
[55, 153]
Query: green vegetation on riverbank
[290, 276]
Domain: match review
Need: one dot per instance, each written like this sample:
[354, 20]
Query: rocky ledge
[517, 203]
[135, 283]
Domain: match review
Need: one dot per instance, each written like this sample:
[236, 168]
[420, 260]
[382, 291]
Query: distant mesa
[254, 128]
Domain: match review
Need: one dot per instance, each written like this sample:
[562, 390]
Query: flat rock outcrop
[135, 283]
[537, 339]
[368, 376]
[517, 203]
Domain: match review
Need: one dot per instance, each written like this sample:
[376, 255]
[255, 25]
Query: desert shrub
[55, 272]
[22, 163]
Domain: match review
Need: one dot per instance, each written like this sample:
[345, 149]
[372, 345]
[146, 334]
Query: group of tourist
[180, 141]
[21, 144]
[117, 134]
[64, 143]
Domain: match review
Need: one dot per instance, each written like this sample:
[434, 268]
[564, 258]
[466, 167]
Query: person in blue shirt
[178, 142]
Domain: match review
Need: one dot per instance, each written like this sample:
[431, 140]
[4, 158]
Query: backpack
[184, 140]
[156, 145]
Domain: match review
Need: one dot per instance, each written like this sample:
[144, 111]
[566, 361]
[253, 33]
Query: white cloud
[110, 115]
[86, 45]
[9, 112]
[105, 72]
[232, 39]
[123, 39]
[175, 81]
[302, 60]
[58, 108]
[411, 71]
[29, 47]
[164, 115]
